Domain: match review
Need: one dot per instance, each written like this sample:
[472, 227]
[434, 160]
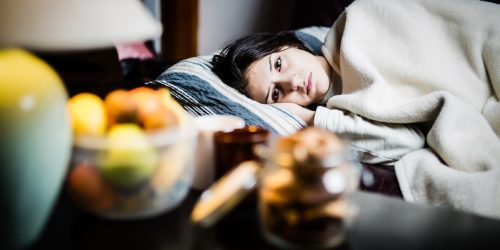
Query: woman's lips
[309, 84]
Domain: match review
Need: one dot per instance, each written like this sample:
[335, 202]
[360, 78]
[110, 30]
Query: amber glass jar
[236, 146]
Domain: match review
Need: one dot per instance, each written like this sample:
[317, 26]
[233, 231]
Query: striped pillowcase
[201, 92]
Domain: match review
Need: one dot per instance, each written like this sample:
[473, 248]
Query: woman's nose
[294, 82]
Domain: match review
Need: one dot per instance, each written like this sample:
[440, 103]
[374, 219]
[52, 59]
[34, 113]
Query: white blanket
[435, 63]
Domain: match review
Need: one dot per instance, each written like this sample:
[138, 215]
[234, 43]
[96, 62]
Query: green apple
[130, 159]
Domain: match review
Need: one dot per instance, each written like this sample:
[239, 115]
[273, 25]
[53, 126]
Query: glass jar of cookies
[304, 182]
[304, 189]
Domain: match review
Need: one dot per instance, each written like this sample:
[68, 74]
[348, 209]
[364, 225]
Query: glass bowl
[120, 178]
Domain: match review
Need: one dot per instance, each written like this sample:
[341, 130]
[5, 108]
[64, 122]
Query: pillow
[200, 92]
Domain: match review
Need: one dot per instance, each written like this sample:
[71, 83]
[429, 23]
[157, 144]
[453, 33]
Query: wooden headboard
[180, 29]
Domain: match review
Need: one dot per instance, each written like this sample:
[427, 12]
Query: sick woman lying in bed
[411, 81]
[279, 69]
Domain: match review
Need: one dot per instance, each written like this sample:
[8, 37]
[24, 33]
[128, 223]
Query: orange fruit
[121, 107]
[147, 101]
[88, 188]
[153, 112]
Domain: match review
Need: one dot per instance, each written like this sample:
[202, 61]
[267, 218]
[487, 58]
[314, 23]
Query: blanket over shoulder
[435, 64]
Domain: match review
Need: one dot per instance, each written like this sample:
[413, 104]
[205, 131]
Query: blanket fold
[435, 63]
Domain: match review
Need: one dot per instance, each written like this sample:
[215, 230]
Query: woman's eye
[275, 94]
[277, 64]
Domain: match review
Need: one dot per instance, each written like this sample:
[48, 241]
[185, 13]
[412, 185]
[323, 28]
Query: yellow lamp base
[35, 139]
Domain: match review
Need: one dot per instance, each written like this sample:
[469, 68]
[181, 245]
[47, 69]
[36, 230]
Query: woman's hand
[305, 114]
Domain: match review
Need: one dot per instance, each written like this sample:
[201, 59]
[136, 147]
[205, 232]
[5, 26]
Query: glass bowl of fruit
[132, 153]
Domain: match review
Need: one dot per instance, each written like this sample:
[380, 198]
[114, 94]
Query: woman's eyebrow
[270, 64]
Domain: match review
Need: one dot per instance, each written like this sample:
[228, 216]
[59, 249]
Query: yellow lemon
[88, 114]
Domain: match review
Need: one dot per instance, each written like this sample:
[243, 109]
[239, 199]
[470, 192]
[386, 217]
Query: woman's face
[291, 75]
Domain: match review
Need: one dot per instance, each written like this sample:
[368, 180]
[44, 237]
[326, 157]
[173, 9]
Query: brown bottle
[234, 147]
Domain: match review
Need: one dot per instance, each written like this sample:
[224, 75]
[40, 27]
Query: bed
[448, 86]
[192, 83]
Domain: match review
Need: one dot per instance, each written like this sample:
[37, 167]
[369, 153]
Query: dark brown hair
[232, 62]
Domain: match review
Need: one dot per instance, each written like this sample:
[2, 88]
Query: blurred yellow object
[35, 137]
[88, 114]
[19, 67]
